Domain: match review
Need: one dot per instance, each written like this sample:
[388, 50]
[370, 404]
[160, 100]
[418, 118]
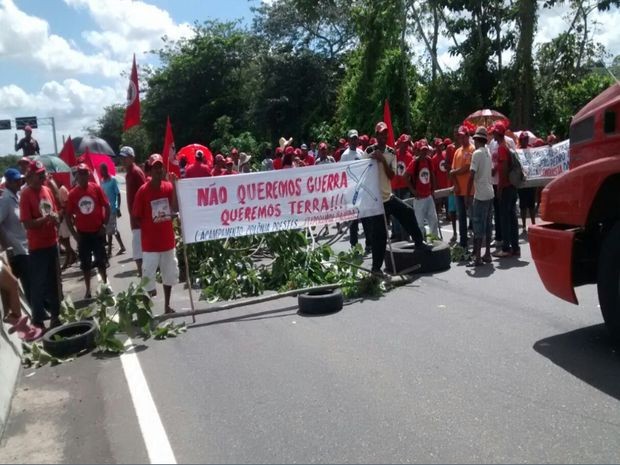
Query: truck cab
[579, 240]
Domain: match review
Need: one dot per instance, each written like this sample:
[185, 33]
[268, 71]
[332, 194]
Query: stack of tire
[407, 257]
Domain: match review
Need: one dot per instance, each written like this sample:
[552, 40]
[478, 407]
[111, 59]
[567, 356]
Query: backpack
[516, 176]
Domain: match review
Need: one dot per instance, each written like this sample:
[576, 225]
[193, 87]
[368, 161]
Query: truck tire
[76, 337]
[320, 302]
[406, 256]
[608, 281]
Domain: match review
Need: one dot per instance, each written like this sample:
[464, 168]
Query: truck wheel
[608, 281]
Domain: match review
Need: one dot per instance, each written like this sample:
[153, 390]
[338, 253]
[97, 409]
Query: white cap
[126, 151]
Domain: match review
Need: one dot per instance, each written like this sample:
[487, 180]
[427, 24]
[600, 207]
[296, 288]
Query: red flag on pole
[169, 153]
[387, 118]
[67, 154]
[132, 113]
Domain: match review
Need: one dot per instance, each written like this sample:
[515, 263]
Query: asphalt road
[459, 366]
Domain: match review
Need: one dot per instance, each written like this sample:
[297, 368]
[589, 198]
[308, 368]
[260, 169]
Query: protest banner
[547, 161]
[255, 203]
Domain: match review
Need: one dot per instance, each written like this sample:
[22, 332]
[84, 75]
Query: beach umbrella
[486, 117]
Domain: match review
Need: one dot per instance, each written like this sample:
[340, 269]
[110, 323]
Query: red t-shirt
[403, 160]
[503, 158]
[277, 163]
[197, 170]
[88, 207]
[440, 170]
[154, 206]
[420, 172]
[308, 160]
[217, 171]
[35, 204]
[134, 179]
[228, 173]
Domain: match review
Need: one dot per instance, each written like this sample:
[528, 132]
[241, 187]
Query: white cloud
[73, 104]
[128, 26]
[28, 39]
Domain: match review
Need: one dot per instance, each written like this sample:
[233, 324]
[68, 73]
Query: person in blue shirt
[113, 193]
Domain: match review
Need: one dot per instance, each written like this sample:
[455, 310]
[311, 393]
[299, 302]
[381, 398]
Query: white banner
[547, 161]
[269, 201]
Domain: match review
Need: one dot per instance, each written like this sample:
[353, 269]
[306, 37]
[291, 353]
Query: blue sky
[65, 58]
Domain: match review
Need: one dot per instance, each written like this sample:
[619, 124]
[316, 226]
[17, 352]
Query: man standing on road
[113, 193]
[13, 234]
[386, 164]
[460, 177]
[352, 153]
[40, 216]
[323, 156]
[91, 209]
[481, 177]
[400, 185]
[422, 184]
[155, 206]
[28, 144]
[134, 178]
[198, 169]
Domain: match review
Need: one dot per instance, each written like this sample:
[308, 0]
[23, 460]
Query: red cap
[289, 150]
[404, 139]
[234, 151]
[156, 158]
[25, 160]
[437, 142]
[219, 157]
[229, 161]
[364, 137]
[447, 141]
[322, 146]
[27, 128]
[279, 150]
[463, 131]
[499, 128]
[380, 127]
[342, 142]
[36, 167]
[423, 145]
[83, 167]
[298, 152]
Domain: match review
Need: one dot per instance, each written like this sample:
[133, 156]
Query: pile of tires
[407, 257]
[320, 302]
[70, 339]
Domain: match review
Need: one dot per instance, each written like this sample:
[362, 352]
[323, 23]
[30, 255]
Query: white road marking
[153, 432]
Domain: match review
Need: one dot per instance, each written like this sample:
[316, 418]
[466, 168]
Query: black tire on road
[320, 302]
[608, 281]
[76, 337]
[406, 256]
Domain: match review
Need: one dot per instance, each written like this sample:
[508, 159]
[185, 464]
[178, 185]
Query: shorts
[110, 226]
[90, 244]
[63, 230]
[168, 268]
[527, 198]
[481, 217]
[136, 244]
[451, 204]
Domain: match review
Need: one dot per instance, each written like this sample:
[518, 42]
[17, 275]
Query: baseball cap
[304, 147]
[499, 128]
[83, 167]
[199, 154]
[404, 139]
[126, 151]
[447, 141]
[229, 161]
[279, 150]
[25, 160]
[380, 127]
[36, 167]
[12, 175]
[156, 158]
[28, 128]
[463, 131]
[353, 133]
[289, 150]
[322, 146]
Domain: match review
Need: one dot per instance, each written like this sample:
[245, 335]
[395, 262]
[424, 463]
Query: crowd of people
[37, 216]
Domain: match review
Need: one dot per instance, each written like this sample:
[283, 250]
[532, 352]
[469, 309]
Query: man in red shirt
[507, 195]
[198, 169]
[400, 186]
[305, 156]
[155, 206]
[219, 165]
[40, 216]
[422, 185]
[277, 160]
[88, 211]
[134, 179]
[230, 167]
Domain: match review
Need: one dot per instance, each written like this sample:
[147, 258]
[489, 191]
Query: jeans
[44, 285]
[510, 223]
[19, 266]
[404, 214]
[354, 232]
[497, 216]
[398, 232]
[425, 210]
[461, 212]
[481, 217]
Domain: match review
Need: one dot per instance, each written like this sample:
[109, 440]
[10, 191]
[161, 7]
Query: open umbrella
[92, 144]
[52, 163]
[189, 152]
[486, 117]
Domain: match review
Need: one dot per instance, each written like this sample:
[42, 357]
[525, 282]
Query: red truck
[579, 240]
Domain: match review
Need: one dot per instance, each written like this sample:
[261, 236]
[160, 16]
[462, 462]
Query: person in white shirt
[493, 146]
[352, 153]
[481, 168]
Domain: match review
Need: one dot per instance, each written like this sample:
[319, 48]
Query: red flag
[169, 153]
[67, 154]
[132, 113]
[387, 118]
